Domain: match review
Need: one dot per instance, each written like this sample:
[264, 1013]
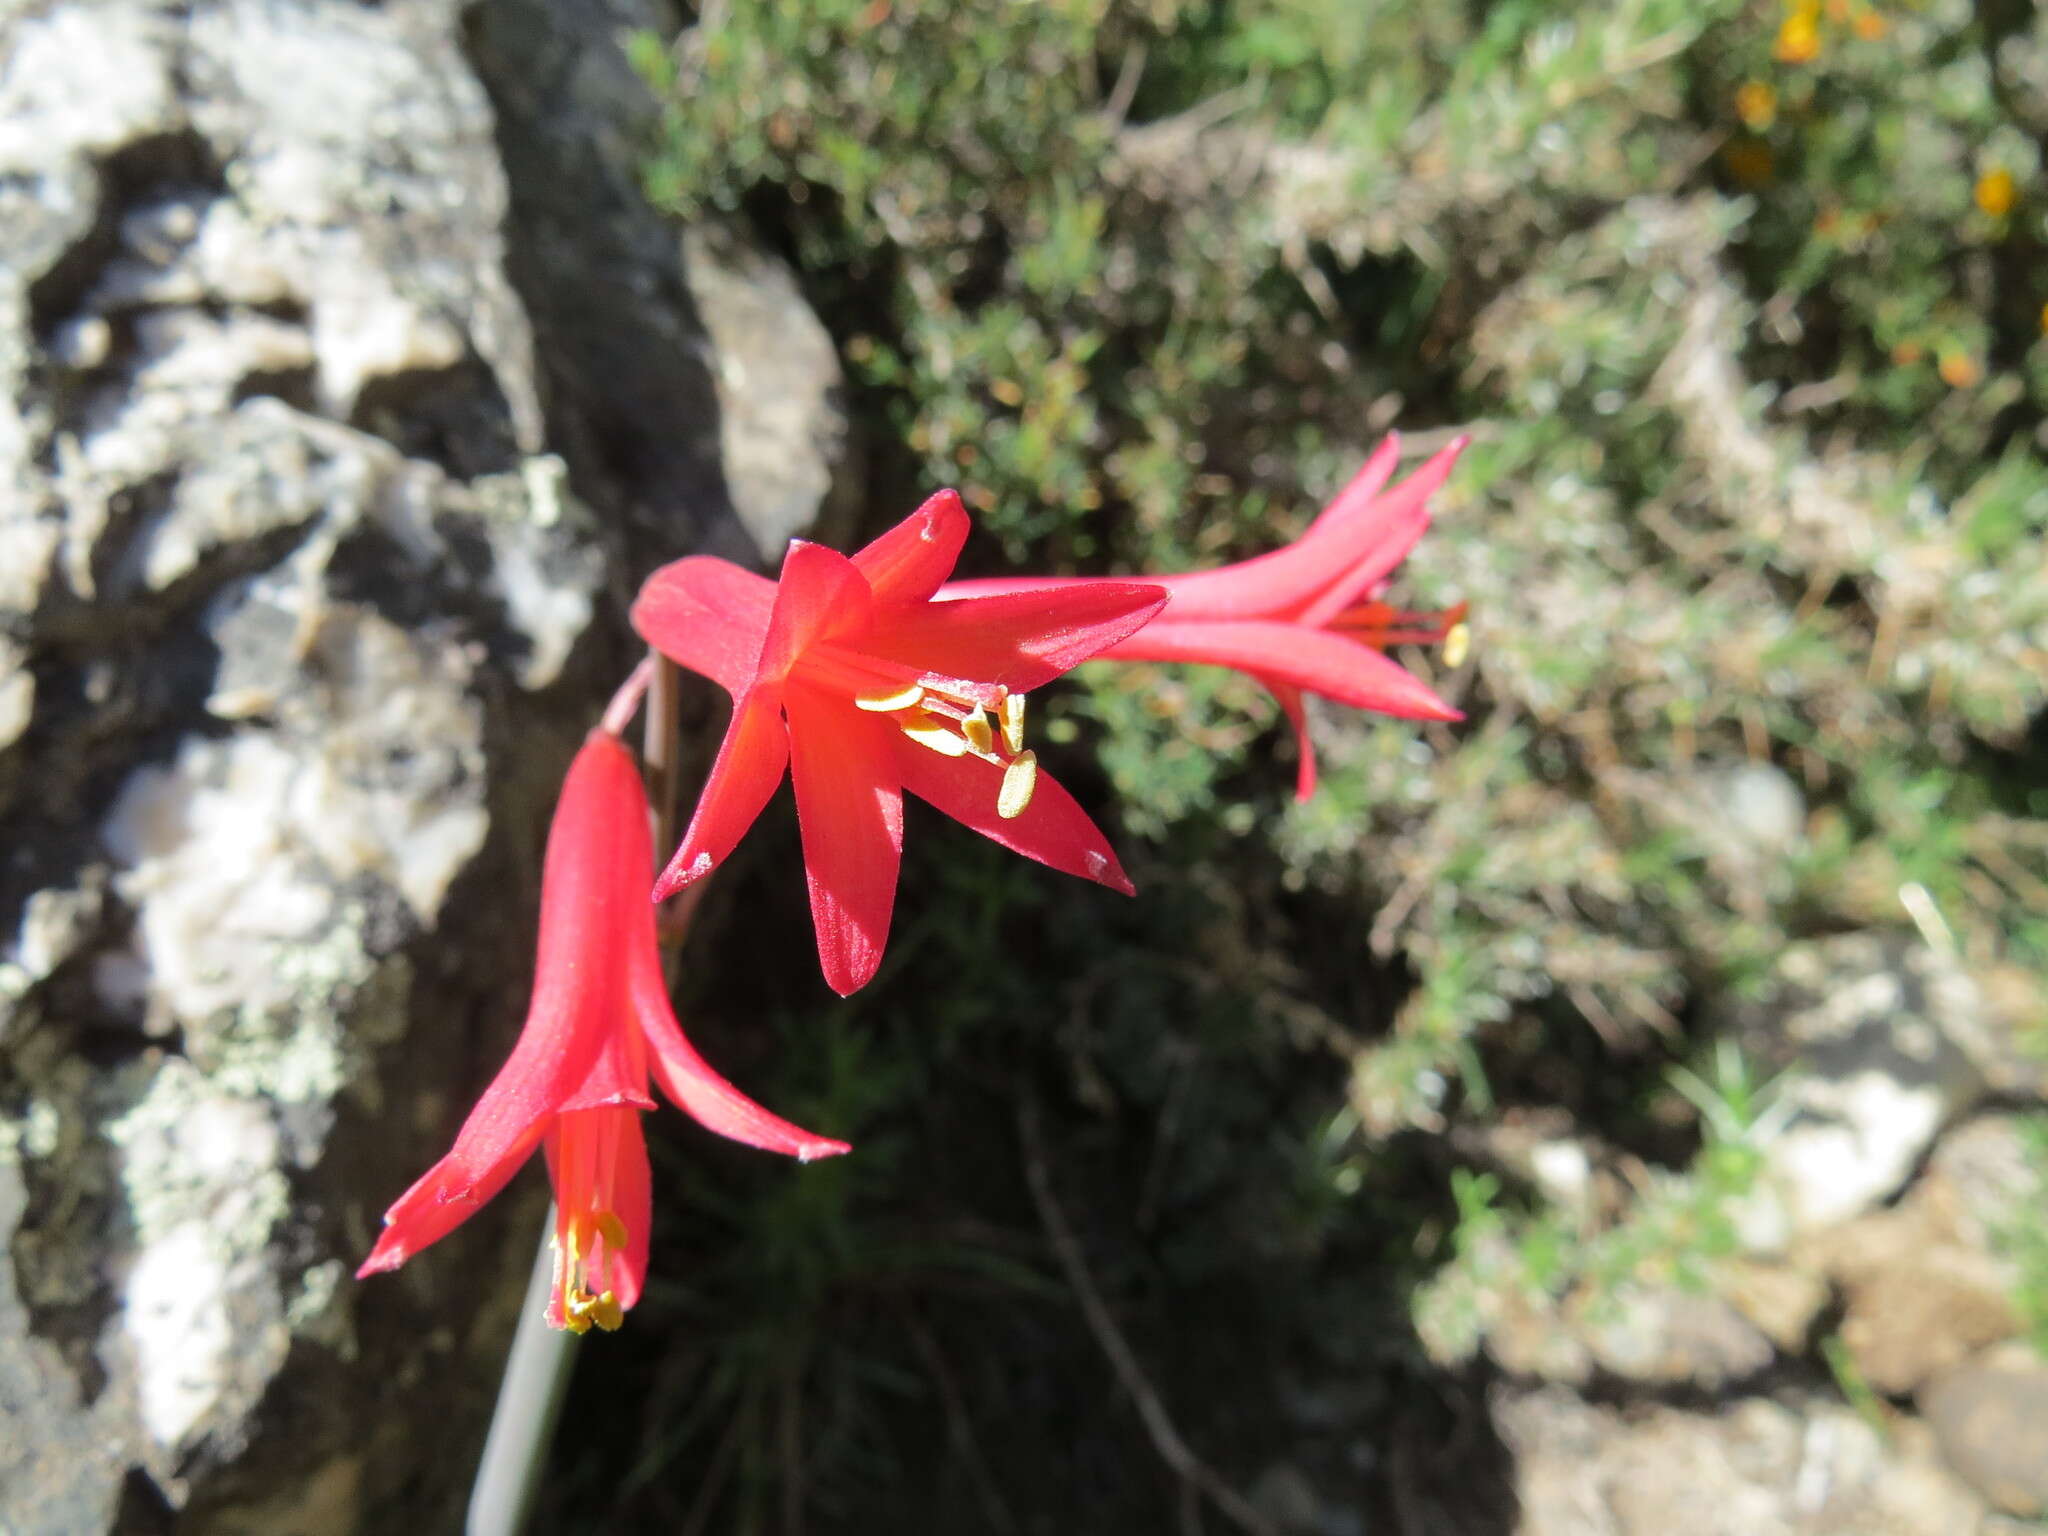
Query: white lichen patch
[17, 693]
[177, 1320]
[219, 881]
[202, 1173]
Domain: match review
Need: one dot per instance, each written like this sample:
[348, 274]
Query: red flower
[847, 672]
[576, 1083]
[1305, 618]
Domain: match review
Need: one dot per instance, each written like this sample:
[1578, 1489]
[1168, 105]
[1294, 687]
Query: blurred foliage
[1743, 304]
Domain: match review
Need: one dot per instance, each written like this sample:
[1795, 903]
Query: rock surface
[1879, 1043]
[301, 536]
[1922, 1283]
[1758, 1467]
[1991, 1419]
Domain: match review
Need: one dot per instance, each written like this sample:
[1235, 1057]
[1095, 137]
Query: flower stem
[537, 1366]
[529, 1401]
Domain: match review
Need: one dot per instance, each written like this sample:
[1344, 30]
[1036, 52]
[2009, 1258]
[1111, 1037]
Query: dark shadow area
[627, 398]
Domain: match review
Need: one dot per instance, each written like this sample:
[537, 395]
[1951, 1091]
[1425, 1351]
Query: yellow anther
[1013, 721]
[1019, 780]
[1457, 642]
[612, 1230]
[883, 703]
[976, 729]
[576, 1309]
[580, 1309]
[927, 730]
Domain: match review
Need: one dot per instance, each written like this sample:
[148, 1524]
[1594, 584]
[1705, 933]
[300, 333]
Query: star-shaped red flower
[848, 674]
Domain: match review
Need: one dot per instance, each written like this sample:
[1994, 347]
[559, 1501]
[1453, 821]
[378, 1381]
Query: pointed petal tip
[847, 980]
[822, 1147]
[384, 1258]
[680, 874]
[1104, 870]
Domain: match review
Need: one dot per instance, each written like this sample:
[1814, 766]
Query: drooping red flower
[1304, 618]
[577, 1081]
[847, 673]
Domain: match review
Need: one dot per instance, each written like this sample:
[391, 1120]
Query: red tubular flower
[599, 1023]
[849, 674]
[1305, 618]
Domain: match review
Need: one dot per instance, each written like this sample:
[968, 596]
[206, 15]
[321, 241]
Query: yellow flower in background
[1996, 192]
[1799, 38]
[1958, 370]
[1756, 103]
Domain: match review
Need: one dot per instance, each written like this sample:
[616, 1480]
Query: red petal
[1285, 578]
[707, 615]
[1052, 829]
[443, 1198]
[906, 564]
[1289, 699]
[821, 594]
[1361, 488]
[742, 780]
[598, 1162]
[633, 1204]
[1020, 639]
[699, 1091]
[617, 1078]
[850, 812]
[591, 894]
[1365, 542]
[1316, 659]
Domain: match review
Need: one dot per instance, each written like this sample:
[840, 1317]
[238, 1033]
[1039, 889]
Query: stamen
[1013, 721]
[926, 730]
[1019, 780]
[883, 703]
[612, 1230]
[976, 729]
[580, 1309]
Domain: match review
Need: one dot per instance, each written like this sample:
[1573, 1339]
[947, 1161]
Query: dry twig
[1159, 1426]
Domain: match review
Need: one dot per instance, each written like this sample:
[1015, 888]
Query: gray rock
[1922, 1283]
[1656, 1335]
[1991, 1419]
[1878, 1043]
[782, 430]
[645, 350]
[1758, 1467]
[293, 611]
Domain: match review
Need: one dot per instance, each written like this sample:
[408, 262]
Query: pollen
[1457, 644]
[580, 1309]
[612, 1230]
[1013, 722]
[928, 730]
[1020, 778]
[978, 732]
[891, 700]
